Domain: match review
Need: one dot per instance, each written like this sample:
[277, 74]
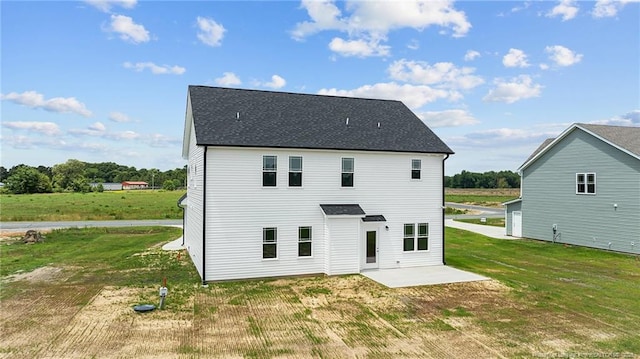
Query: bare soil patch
[329, 317]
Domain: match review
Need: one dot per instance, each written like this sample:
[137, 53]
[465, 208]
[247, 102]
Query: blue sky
[107, 80]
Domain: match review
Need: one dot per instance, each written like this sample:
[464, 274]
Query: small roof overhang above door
[374, 218]
[342, 210]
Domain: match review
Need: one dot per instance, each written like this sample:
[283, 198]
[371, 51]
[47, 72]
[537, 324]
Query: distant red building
[134, 185]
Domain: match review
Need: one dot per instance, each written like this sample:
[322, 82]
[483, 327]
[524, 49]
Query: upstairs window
[269, 243]
[416, 167]
[347, 172]
[295, 171]
[269, 170]
[304, 241]
[585, 183]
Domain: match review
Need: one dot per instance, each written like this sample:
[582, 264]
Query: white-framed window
[269, 243]
[347, 171]
[269, 170]
[304, 241]
[416, 167]
[585, 183]
[295, 171]
[415, 240]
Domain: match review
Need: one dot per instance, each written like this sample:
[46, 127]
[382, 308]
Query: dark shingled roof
[374, 218]
[252, 118]
[622, 136]
[342, 209]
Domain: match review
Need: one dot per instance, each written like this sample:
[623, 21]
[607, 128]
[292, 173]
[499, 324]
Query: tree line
[491, 179]
[77, 176]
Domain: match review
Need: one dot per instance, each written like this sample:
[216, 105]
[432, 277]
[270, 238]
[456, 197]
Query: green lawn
[108, 205]
[498, 222]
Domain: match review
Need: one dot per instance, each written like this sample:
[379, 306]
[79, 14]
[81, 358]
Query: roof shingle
[253, 118]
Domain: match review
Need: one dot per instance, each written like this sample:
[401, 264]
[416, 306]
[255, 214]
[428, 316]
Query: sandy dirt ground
[323, 317]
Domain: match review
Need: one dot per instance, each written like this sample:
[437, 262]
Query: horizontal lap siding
[589, 220]
[238, 207]
[193, 221]
[345, 237]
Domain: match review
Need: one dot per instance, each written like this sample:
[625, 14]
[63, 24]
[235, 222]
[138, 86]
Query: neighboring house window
[269, 243]
[269, 170]
[413, 239]
[585, 183]
[347, 172]
[295, 171]
[304, 241]
[416, 166]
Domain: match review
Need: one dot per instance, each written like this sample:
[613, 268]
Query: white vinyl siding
[237, 204]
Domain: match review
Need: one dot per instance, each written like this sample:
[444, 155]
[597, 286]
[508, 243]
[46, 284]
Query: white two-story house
[288, 184]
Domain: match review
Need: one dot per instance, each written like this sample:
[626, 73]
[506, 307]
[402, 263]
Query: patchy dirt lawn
[52, 314]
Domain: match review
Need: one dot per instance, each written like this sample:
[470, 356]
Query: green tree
[169, 185]
[28, 180]
[65, 174]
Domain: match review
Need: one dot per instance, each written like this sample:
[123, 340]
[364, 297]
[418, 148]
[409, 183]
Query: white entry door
[516, 223]
[370, 250]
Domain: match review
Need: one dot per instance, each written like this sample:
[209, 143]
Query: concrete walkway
[174, 245]
[416, 276]
[485, 230]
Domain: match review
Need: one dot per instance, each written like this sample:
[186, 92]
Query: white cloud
[128, 30]
[211, 33]
[105, 5]
[155, 69]
[119, 117]
[57, 104]
[544, 67]
[562, 56]
[609, 8]
[628, 119]
[413, 45]
[505, 136]
[515, 58]
[98, 126]
[414, 96]
[519, 88]
[228, 79]
[369, 22]
[276, 82]
[45, 128]
[441, 74]
[471, 55]
[448, 118]
[358, 48]
[565, 8]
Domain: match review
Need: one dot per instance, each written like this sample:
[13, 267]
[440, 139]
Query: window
[423, 236]
[304, 241]
[269, 170]
[347, 172]
[409, 230]
[295, 171]
[413, 240]
[585, 183]
[416, 166]
[269, 243]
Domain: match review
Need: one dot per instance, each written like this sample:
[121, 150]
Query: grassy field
[481, 196]
[71, 297]
[498, 222]
[117, 205]
[108, 205]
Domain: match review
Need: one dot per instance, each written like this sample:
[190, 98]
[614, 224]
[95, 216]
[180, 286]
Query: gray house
[581, 188]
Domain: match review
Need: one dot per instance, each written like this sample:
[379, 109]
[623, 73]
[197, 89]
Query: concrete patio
[417, 276]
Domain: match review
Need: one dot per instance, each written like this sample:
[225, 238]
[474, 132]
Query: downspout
[204, 217]
[444, 261]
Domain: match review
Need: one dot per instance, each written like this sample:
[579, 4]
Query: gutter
[204, 217]
[444, 261]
